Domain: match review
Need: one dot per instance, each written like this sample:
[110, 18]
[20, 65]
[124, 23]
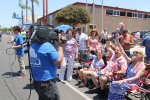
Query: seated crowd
[120, 69]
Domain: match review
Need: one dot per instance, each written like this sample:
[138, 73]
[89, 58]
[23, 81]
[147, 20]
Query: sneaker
[21, 76]
[62, 81]
[102, 94]
[68, 80]
[91, 87]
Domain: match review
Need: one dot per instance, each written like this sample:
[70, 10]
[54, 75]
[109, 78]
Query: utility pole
[45, 11]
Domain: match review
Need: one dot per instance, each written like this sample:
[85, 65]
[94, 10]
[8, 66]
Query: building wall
[134, 24]
[146, 24]
[111, 22]
[30, 18]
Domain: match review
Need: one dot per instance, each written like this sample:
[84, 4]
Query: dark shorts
[103, 41]
[47, 90]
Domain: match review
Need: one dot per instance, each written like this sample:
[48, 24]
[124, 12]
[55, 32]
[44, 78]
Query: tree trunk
[32, 11]
[26, 10]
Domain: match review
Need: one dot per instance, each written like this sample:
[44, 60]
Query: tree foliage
[23, 6]
[72, 15]
[6, 29]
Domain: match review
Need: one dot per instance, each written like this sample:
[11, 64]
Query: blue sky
[8, 7]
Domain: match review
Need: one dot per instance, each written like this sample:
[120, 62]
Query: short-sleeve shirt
[70, 47]
[97, 63]
[82, 41]
[42, 58]
[146, 43]
[19, 41]
[115, 64]
[103, 34]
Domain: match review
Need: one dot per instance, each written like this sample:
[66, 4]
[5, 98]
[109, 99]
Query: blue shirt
[146, 43]
[42, 58]
[97, 63]
[19, 41]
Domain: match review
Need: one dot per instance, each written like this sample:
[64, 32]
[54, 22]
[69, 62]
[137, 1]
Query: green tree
[72, 15]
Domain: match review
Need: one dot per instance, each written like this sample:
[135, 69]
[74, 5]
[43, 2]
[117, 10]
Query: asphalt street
[12, 88]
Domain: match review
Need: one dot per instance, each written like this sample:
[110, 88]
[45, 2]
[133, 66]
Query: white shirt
[137, 35]
[103, 34]
[82, 41]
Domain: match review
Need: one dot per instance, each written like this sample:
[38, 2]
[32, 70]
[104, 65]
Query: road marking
[80, 93]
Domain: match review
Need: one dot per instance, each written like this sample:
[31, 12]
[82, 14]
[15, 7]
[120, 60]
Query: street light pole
[93, 14]
[86, 27]
[22, 15]
[102, 16]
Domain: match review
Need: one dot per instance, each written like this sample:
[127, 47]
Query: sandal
[135, 93]
[82, 85]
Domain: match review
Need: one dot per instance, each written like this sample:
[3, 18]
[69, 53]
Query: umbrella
[26, 25]
[63, 27]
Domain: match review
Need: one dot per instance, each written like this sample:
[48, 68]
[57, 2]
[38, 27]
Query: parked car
[146, 34]
[133, 34]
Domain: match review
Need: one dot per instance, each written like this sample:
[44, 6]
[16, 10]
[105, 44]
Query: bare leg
[103, 82]
[94, 77]
[81, 74]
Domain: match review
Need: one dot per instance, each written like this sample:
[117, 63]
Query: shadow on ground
[10, 74]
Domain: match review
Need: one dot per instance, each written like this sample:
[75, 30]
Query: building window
[135, 15]
[139, 15]
[116, 12]
[146, 15]
[122, 13]
[109, 12]
[129, 14]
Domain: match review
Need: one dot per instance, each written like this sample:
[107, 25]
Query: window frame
[117, 12]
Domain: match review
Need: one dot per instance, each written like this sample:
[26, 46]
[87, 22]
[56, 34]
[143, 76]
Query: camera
[44, 33]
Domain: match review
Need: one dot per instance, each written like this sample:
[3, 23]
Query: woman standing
[93, 42]
[70, 51]
[132, 76]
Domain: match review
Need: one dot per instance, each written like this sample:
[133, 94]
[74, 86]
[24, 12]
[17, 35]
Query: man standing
[137, 37]
[146, 44]
[82, 39]
[126, 41]
[103, 36]
[19, 50]
[44, 60]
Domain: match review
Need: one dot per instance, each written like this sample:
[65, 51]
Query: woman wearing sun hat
[132, 76]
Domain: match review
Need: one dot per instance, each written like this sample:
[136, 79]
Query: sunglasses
[136, 52]
[117, 50]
